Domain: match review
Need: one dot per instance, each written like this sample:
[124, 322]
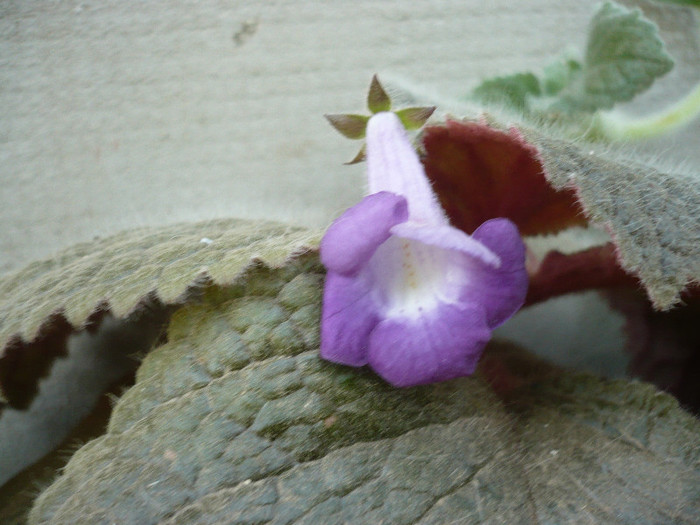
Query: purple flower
[405, 292]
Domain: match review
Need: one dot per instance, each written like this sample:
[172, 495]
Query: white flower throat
[413, 278]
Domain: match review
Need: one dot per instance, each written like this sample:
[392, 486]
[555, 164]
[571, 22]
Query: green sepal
[359, 157]
[414, 118]
[351, 126]
[354, 126]
[377, 99]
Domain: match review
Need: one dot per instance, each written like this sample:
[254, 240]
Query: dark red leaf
[558, 274]
[507, 369]
[664, 347]
[480, 173]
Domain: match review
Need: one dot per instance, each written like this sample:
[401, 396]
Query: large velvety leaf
[695, 3]
[652, 216]
[545, 185]
[41, 304]
[237, 420]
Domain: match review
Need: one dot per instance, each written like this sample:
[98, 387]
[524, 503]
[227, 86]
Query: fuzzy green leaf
[652, 214]
[624, 56]
[510, 91]
[482, 171]
[236, 419]
[559, 74]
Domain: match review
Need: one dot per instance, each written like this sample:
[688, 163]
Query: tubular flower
[405, 292]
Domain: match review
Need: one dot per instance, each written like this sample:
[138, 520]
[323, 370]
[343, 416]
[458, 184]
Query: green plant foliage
[236, 419]
[694, 3]
[480, 171]
[123, 269]
[510, 91]
[559, 74]
[377, 98]
[624, 55]
[651, 214]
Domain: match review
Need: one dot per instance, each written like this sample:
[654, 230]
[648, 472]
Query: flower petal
[436, 347]
[349, 315]
[447, 237]
[352, 239]
[393, 165]
[500, 291]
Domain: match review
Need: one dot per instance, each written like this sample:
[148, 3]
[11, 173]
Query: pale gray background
[122, 113]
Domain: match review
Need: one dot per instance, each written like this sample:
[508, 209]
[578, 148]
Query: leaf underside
[236, 419]
[480, 173]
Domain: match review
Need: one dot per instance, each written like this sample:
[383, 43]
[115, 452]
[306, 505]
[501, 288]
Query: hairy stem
[617, 128]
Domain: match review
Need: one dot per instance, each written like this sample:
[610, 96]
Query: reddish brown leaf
[24, 363]
[590, 269]
[508, 369]
[481, 173]
[664, 347]
[500, 377]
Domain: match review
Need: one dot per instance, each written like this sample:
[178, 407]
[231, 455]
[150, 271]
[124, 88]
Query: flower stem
[619, 129]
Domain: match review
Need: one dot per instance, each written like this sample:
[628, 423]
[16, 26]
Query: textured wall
[122, 113]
